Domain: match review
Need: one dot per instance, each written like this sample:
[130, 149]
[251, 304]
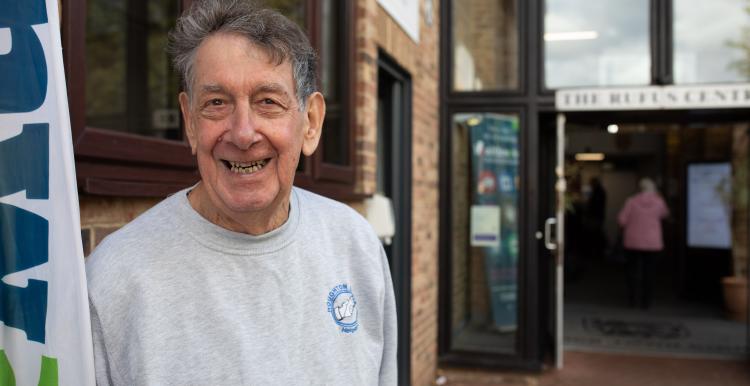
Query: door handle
[551, 245]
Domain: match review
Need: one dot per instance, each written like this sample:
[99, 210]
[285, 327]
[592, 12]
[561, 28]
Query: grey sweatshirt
[177, 300]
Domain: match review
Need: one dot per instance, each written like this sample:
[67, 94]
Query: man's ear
[189, 128]
[316, 112]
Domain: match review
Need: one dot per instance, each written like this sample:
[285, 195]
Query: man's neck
[252, 223]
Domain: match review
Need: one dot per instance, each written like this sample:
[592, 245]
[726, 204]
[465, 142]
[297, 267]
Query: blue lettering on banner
[24, 162]
[24, 165]
[23, 71]
[25, 240]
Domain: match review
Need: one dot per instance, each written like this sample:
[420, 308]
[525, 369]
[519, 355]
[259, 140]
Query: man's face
[245, 126]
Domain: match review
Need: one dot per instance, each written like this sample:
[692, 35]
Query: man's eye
[216, 102]
[268, 101]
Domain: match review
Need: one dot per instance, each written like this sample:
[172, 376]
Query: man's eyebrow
[271, 88]
[212, 88]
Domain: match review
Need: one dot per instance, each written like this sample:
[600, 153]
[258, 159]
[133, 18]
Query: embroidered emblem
[343, 308]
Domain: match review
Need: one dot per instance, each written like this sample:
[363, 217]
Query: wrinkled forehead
[233, 53]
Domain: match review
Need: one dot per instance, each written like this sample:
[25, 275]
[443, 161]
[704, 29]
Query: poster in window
[494, 141]
[709, 209]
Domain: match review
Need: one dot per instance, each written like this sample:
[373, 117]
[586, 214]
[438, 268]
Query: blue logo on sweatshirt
[343, 308]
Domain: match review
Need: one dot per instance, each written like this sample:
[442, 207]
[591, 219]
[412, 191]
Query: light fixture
[473, 121]
[589, 156]
[574, 35]
[613, 129]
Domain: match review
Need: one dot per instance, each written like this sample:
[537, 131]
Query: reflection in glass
[130, 84]
[485, 187]
[711, 41]
[335, 135]
[485, 45]
[596, 43]
[293, 9]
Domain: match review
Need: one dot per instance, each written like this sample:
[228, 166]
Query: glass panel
[130, 84]
[293, 9]
[706, 50]
[596, 43]
[335, 131]
[485, 45]
[485, 232]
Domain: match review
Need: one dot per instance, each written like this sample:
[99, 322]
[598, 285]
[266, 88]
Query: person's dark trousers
[640, 266]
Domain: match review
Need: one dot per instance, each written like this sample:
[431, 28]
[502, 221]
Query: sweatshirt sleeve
[388, 364]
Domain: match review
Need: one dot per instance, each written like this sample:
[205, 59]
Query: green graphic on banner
[7, 378]
[495, 161]
[47, 374]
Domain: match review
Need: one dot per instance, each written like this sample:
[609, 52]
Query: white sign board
[45, 334]
[405, 13]
[709, 188]
[722, 96]
[485, 226]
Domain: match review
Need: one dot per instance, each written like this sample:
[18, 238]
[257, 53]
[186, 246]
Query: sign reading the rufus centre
[721, 96]
[45, 334]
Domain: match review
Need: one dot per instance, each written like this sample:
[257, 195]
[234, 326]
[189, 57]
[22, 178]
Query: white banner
[45, 335]
[721, 96]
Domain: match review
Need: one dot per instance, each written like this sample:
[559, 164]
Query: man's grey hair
[280, 37]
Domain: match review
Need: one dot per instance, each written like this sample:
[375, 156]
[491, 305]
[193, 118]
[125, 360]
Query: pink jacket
[641, 221]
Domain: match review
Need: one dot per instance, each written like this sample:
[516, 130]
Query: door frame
[399, 189]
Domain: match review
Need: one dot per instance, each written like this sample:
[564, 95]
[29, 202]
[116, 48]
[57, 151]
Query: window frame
[154, 167]
[527, 102]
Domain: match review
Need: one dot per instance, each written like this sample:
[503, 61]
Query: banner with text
[45, 334]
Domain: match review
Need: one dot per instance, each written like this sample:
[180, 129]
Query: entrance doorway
[394, 185]
[700, 168]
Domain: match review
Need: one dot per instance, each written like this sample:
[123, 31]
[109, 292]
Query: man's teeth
[246, 167]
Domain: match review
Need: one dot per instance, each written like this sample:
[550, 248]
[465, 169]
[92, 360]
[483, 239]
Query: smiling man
[244, 279]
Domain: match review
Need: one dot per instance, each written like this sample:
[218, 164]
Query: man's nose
[244, 131]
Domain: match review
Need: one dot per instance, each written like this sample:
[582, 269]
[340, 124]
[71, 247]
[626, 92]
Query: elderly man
[244, 279]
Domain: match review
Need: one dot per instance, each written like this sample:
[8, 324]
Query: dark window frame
[123, 164]
[526, 102]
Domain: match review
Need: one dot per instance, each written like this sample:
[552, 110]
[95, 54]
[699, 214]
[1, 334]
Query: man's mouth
[246, 167]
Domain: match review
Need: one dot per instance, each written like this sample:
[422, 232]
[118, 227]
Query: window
[122, 93]
[485, 45]
[485, 233]
[600, 43]
[717, 54]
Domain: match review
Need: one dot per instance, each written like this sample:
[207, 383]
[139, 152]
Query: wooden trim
[74, 55]
[131, 148]
[106, 187]
[95, 169]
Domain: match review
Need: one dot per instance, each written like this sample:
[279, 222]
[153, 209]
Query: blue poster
[494, 141]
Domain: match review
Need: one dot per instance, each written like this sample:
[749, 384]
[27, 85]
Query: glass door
[552, 200]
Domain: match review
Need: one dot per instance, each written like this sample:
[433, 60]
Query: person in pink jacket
[640, 219]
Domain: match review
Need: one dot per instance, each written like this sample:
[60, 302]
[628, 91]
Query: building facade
[447, 108]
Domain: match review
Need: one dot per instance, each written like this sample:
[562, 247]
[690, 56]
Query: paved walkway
[596, 369]
[589, 369]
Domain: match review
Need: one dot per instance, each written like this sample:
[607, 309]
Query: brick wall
[101, 216]
[421, 61]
